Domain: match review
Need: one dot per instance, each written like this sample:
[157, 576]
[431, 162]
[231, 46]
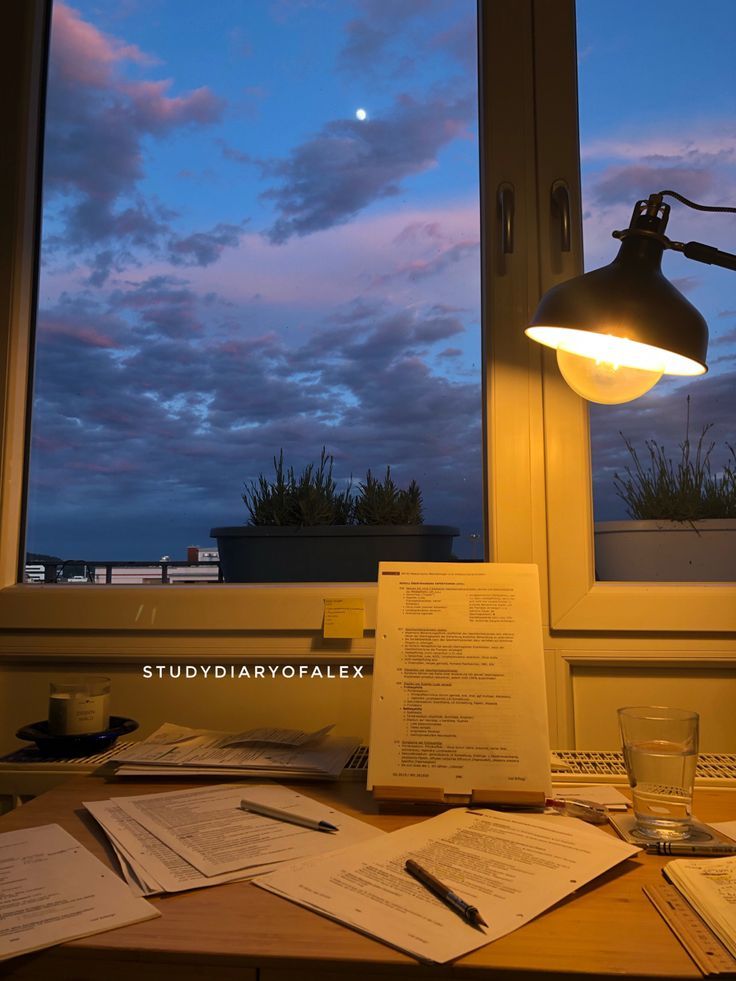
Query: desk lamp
[618, 329]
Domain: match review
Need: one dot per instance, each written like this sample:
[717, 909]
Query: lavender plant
[684, 489]
[313, 498]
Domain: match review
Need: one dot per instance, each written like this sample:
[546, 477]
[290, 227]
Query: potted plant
[683, 526]
[303, 528]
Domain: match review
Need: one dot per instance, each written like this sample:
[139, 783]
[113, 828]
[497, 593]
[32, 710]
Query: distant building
[166, 569]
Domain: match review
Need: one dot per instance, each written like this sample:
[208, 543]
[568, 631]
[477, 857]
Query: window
[537, 473]
[577, 601]
[272, 246]
[656, 129]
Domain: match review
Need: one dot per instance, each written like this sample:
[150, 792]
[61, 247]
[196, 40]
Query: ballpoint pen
[705, 850]
[445, 893]
[290, 816]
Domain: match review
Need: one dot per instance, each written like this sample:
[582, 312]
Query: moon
[361, 114]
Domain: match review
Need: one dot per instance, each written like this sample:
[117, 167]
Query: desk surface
[237, 931]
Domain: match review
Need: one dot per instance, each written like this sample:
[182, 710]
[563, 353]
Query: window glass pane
[657, 84]
[260, 232]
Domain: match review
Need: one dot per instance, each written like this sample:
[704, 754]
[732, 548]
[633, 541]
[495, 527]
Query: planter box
[337, 553]
[666, 551]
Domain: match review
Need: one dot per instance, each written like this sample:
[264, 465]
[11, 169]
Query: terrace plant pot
[666, 551]
[324, 553]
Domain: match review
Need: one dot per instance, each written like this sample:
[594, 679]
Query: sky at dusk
[235, 262]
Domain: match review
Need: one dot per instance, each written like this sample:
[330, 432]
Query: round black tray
[85, 744]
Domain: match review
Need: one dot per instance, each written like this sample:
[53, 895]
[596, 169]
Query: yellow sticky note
[344, 618]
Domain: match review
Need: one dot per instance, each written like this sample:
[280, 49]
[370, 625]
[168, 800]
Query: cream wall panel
[599, 691]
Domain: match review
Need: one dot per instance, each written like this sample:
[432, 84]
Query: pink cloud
[98, 171]
[83, 54]
[155, 111]
[716, 141]
[87, 335]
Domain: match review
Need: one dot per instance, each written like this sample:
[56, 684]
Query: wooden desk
[237, 932]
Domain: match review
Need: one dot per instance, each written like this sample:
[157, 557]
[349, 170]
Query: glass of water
[660, 752]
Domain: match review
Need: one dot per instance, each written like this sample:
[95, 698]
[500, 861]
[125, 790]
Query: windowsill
[211, 608]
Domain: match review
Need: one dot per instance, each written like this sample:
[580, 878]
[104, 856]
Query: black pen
[443, 892]
[704, 850]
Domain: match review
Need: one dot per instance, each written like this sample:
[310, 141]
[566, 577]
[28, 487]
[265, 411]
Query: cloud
[369, 37]
[461, 42]
[96, 124]
[169, 407]
[163, 306]
[349, 164]
[70, 326]
[83, 55]
[618, 171]
[364, 44]
[711, 144]
[151, 110]
[627, 184]
[425, 268]
[204, 248]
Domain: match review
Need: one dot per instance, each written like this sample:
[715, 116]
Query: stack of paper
[178, 751]
[189, 839]
[52, 889]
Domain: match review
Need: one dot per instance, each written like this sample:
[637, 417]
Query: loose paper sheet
[459, 700]
[512, 867]
[208, 828]
[604, 794]
[277, 737]
[52, 889]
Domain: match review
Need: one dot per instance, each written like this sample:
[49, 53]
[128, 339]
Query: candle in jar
[80, 706]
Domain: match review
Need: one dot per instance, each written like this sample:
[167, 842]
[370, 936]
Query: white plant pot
[666, 551]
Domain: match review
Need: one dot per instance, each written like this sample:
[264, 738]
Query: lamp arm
[649, 220]
[705, 253]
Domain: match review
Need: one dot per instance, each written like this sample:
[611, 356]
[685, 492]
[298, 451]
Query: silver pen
[291, 817]
[586, 810]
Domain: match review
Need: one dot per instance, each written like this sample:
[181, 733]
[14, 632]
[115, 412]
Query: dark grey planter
[338, 553]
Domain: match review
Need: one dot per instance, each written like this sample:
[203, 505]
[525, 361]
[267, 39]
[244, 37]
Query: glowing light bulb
[609, 368]
[604, 381]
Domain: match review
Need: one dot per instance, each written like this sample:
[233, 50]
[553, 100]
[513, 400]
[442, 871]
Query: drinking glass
[660, 748]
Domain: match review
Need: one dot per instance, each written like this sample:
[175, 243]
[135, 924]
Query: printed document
[208, 828]
[52, 889]
[262, 752]
[459, 699]
[511, 867]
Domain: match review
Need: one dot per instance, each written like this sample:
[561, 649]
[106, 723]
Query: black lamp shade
[630, 298]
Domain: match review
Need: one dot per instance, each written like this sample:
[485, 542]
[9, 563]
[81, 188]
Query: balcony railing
[124, 572]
